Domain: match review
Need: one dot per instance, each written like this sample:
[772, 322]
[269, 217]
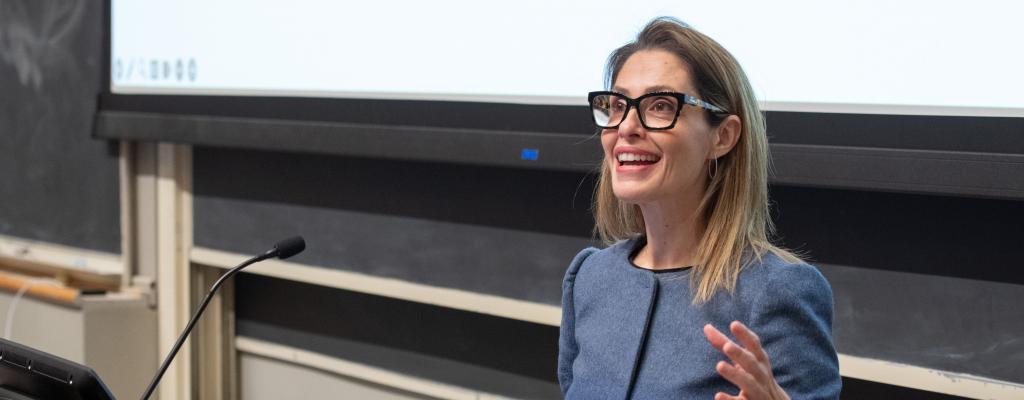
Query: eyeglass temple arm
[703, 104]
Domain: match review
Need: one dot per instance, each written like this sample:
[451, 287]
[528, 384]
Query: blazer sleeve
[567, 347]
[793, 319]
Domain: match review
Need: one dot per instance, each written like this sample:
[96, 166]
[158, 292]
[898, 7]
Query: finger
[725, 396]
[749, 340]
[745, 359]
[715, 337]
[738, 377]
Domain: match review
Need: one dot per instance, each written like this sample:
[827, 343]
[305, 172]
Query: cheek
[701, 134]
[607, 144]
[687, 159]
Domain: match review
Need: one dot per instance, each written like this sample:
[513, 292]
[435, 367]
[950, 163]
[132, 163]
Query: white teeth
[626, 157]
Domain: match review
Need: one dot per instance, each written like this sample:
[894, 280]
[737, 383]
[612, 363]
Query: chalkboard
[57, 184]
[491, 354]
[502, 231]
[918, 279]
[943, 323]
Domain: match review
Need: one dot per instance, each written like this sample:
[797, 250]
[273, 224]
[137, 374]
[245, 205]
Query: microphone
[287, 248]
[282, 250]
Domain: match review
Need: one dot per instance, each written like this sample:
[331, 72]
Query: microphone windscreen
[290, 247]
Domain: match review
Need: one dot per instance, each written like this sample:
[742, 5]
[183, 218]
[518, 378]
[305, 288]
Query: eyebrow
[652, 89]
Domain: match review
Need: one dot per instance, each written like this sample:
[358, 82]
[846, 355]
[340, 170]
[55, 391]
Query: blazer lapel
[644, 332]
[613, 307]
[631, 320]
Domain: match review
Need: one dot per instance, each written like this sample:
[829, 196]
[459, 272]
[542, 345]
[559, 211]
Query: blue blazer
[628, 332]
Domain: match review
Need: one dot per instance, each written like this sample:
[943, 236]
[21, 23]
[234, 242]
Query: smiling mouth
[637, 159]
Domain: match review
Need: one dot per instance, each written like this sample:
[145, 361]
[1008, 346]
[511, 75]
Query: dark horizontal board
[910, 171]
[905, 132]
[944, 172]
[500, 231]
[491, 354]
[421, 113]
[946, 324]
[969, 238]
[455, 145]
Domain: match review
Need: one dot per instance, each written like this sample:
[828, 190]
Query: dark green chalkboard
[57, 183]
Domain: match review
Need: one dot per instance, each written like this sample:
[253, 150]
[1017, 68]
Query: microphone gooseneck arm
[192, 323]
[284, 249]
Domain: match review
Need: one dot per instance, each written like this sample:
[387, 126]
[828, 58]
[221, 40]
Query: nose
[631, 126]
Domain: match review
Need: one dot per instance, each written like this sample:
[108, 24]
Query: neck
[673, 232]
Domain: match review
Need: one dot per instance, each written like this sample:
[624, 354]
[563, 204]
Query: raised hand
[750, 370]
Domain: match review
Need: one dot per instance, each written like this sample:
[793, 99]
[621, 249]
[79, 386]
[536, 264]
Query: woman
[683, 197]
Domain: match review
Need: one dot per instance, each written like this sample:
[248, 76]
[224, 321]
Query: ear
[726, 135]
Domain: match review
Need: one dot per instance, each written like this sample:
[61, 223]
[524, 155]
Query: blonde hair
[734, 208]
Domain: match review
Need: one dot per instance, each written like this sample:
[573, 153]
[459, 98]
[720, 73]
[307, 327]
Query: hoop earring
[712, 174]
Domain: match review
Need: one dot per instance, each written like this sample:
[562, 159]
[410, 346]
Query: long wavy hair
[734, 207]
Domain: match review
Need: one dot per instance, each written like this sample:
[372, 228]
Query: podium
[30, 374]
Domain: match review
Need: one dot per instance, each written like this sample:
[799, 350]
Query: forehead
[650, 71]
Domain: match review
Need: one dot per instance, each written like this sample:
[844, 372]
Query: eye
[661, 106]
[618, 105]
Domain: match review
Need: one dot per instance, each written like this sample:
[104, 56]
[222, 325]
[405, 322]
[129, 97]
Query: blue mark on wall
[529, 154]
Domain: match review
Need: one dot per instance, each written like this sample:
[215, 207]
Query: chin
[631, 195]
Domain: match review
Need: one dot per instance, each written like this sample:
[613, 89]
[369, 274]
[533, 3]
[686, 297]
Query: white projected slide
[901, 57]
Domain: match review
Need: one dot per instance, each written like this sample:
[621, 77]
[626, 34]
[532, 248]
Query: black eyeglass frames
[657, 111]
